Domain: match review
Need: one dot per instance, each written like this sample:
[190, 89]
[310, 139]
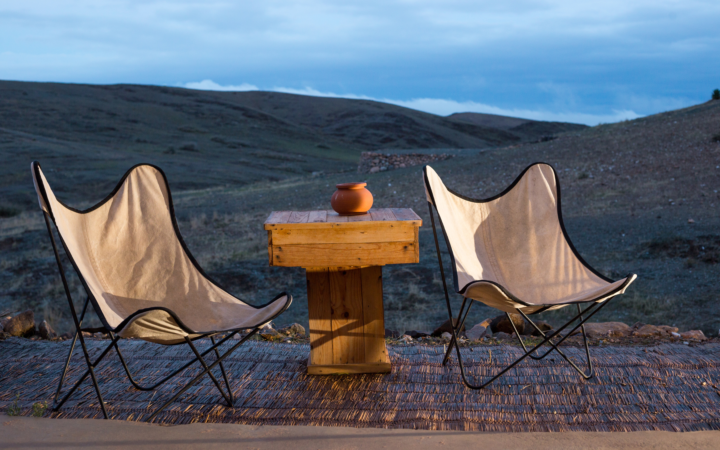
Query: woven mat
[635, 388]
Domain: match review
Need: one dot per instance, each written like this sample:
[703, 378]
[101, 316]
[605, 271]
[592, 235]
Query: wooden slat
[383, 214]
[333, 217]
[373, 315]
[317, 217]
[278, 217]
[319, 313]
[405, 214]
[360, 218]
[299, 217]
[347, 234]
[347, 317]
[370, 254]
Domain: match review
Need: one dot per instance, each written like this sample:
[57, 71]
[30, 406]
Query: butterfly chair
[142, 280]
[512, 253]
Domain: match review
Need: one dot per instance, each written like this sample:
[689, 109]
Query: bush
[716, 94]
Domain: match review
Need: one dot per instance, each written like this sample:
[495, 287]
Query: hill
[638, 196]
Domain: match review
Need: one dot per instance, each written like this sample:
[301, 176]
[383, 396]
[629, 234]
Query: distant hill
[209, 138]
[525, 129]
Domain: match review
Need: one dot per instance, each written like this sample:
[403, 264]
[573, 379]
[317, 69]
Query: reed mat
[670, 387]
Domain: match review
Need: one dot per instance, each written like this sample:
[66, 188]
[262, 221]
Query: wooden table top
[331, 219]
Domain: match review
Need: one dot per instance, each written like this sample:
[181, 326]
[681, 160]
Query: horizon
[542, 60]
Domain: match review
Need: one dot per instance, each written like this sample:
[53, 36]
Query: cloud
[210, 85]
[439, 106]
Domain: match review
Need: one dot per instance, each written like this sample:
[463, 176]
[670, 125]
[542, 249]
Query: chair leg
[72, 348]
[206, 370]
[224, 374]
[594, 307]
[209, 372]
[459, 324]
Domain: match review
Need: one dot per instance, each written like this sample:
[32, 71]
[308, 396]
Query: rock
[294, 329]
[45, 330]
[606, 329]
[695, 335]
[4, 320]
[676, 335]
[502, 324]
[21, 325]
[477, 332]
[544, 327]
[445, 328]
[269, 334]
[447, 336]
[406, 339]
[391, 333]
[502, 336]
[646, 331]
[415, 334]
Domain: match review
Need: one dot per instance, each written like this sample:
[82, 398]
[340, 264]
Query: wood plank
[319, 313]
[382, 214]
[347, 317]
[333, 217]
[278, 217]
[405, 214]
[369, 254]
[317, 216]
[360, 218]
[345, 234]
[334, 369]
[299, 217]
[373, 315]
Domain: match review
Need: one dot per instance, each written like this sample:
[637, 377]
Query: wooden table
[343, 258]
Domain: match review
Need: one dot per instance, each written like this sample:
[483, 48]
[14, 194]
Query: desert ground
[638, 196]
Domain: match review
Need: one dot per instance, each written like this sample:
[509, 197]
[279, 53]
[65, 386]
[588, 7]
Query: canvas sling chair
[511, 252]
[143, 282]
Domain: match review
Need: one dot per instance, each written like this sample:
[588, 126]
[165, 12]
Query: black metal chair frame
[458, 323]
[92, 365]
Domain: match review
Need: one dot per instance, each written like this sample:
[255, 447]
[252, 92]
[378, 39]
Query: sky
[565, 60]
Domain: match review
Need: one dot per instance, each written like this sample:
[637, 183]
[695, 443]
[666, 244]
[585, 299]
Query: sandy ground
[30, 432]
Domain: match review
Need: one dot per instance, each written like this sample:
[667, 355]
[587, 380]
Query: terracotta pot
[351, 199]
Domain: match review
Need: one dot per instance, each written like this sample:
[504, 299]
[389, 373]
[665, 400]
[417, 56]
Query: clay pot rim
[351, 185]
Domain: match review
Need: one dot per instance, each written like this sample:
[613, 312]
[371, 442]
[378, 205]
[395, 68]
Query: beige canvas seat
[512, 252]
[139, 275]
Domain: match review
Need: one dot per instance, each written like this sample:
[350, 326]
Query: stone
[447, 336]
[46, 331]
[415, 334]
[676, 335]
[406, 339]
[269, 334]
[477, 332]
[694, 335]
[21, 325]
[606, 329]
[391, 333]
[4, 320]
[446, 328]
[294, 329]
[502, 324]
[646, 331]
[502, 336]
[544, 327]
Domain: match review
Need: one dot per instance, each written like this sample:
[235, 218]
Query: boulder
[46, 331]
[294, 329]
[502, 336]
[21, 325]
[447, 336]
[415, 334]
[477, 332]
[502, 324]
[695, 335]
[646, 331]
[391, 333]
[607, 329]
[446, 328]
[544, 327]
